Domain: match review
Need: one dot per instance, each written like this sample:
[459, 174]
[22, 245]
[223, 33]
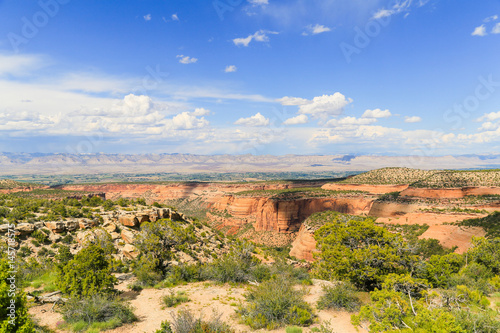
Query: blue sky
[254, 76]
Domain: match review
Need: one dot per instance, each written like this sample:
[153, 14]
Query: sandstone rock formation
[270, 214]
[304, 245]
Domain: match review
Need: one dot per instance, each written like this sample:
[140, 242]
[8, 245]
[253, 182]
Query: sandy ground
[205, 297]
[440, 229]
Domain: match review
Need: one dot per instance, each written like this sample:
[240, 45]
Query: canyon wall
[449, 193]
[268, 214]
[162, 192]
[304, 244]
[374, 189]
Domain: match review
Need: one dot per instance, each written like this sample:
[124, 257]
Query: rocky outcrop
[391, 209]
[25, 228]
[449, 193]
[129, 220]
[268, 214]
[162, 192]
[451, 235]
[128, 236]
[130, 251]
[304, 245]
[373, 189]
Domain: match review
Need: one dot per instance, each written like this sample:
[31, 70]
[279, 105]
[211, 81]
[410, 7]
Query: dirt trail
[204, 298]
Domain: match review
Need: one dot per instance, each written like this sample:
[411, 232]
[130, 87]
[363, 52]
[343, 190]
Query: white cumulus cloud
[490, 116]
[256, 120]
[377, 113]
[259, 2]
[496, 29]
[188, 121]
[293, 101]
[491, 18]
[480, 31]
[147, 17]
[259, 36]
[315, 29]
[186, 60]
[326, 105]
[231, 69]
[413, 119]
[175, 17]
[350, 121]
[300, 119]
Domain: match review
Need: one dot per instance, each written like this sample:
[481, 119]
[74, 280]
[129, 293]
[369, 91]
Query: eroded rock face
[130, 251]
[25, 228]
[109, 227]
[55, 226]
[374, 189]
[285, 215]
[451, 193]
[304, 245]
[128, 220]
[128, 236]
[390, 209]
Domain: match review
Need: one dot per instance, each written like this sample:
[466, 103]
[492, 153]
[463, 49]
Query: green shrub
[87, 274]
[484, 321]
[173, 299]
[275, 303]
[42, 252]
[88, 311]
[353, 248]
[235, 266]
[145, 269]
[24, 251]
[293, 329]
[157, 239]
[40, 236]
[21, 320]
[185, 322]
[339, 297]
[439, 269]
[68, 239]
[486, 252]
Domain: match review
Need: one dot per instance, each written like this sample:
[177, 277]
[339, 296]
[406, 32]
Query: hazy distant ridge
[36, 163]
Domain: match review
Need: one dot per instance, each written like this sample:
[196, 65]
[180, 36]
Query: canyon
[273, 208]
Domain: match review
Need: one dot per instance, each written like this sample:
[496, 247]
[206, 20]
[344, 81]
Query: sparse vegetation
[96, 312]
[275, 303]
[173, 299]
[341, 296]
[186, 322]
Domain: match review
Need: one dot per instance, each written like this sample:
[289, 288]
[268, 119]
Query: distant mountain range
[64, 164]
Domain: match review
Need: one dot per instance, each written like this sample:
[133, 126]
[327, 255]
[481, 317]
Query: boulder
[4, 228]
[114, 235]
[154, 216]
[54, 238]
[128, 220]
[143, 218]
[71, 225]
[25, 228]
[83, 224]
[128, 236]
[38, 225]
[55, 226]
[109, 227]
[165, 213]
[130, 251]
[176, 216]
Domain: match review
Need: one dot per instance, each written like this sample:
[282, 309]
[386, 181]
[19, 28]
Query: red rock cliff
[270, 214]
